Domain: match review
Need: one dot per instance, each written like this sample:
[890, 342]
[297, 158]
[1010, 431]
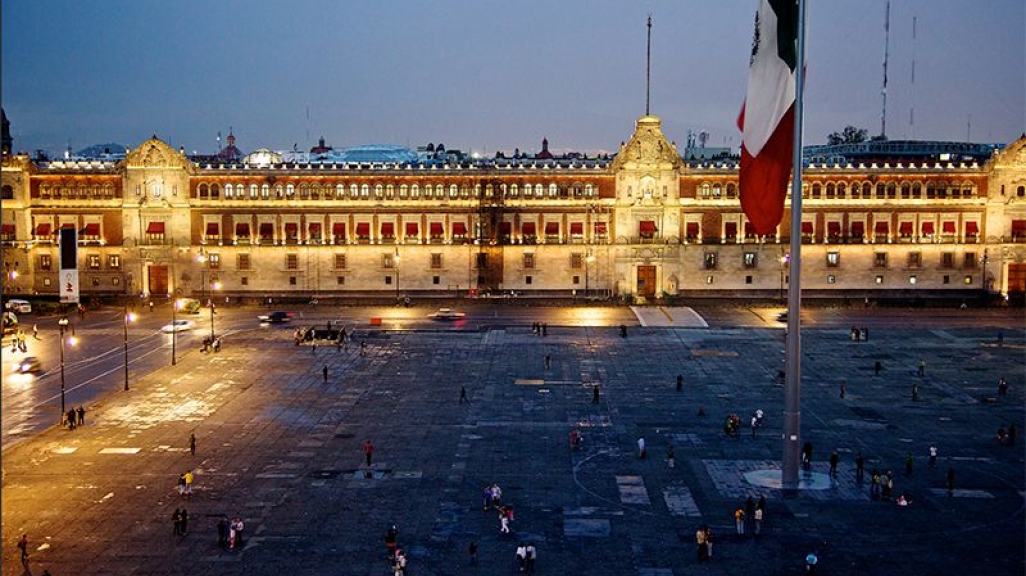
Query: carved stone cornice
[648, 149]
[155, 153]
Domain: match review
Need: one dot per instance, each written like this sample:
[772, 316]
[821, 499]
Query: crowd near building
[881, 219]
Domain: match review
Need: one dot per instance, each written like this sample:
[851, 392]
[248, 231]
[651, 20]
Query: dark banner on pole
[68, 238]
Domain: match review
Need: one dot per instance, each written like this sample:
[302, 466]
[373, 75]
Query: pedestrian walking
[595, 394]
[758, 521]
[834, 459]
[192, 444]
[188, 484]
[642, 453]
[176, 518]
[472, 550]
[545, 329]
[522, 556]
[368, 451]
[23, 549]
[183, 522]
[702, 543]
[915, 391]
[859, 467]
[532, 555]
[680, 382]
[181, 485]
[807, 456]
[81, 416]
[739, 520]
[363, 347]
[810, 563]
[222, 532]
[548, 361]
[391, 539]
[922, 367]
[399, 563]
[670, 456]
[325, 372]
[844, 387]
[933, 455]
[1002, 387]
[754, 424]
[35, 331]
[877, 367]
[463, 395]
[71, 419]
[503, 521]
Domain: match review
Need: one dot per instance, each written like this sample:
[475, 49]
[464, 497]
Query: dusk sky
[487, 75]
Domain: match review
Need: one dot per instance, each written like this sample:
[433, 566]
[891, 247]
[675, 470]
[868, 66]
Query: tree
[850, 135]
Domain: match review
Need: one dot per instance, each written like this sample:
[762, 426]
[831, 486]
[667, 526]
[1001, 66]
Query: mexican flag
[767, 117]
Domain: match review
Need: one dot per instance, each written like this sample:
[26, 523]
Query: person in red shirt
[368, 451]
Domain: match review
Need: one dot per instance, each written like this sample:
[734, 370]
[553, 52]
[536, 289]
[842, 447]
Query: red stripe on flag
[763, 179]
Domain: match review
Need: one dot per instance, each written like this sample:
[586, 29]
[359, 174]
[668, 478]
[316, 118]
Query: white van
[19, 306]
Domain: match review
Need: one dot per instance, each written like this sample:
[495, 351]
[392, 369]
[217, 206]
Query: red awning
[387, 229]
[242, 229]
[905, 228]
[881, 228]
[412, 229]
[927, 228]
[833, 228]
[858, 228]
[600, 228]
[338, 229]
[437, 229]
[43, 229]
[948, 227]
[552, 228]
[647, 227]
[266, 229]
[577, 228]
[94, 230]
[7, 229]
[806, 227]
[212, 229]
[731, 228]
[460, 228]
[691, 229]
[971, 229]
[1018, 225]
[292, 228]
[528, 229]
[363, 228]
[155, 228]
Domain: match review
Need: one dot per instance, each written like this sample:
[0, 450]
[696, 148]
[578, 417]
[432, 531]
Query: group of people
[229, 532]
[18, 341]
[396, 556]
[751, 514]
[74, 418]
[211, 343]
[704, 539]
[526, 554]
[540, 329]
[732, 426]
[1007, 436]
[859, 334]
[185, 484]
[181, 520]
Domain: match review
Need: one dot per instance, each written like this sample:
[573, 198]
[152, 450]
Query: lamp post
[986, 290]
[784, 259]
[63, 324]
[215, 286]
[174, 333]
[129, 317]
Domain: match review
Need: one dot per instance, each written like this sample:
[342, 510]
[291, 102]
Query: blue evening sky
[487, 75]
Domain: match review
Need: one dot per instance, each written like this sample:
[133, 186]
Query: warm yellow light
[14, 274]
[72, 341]
[216, 285]
[130, 317]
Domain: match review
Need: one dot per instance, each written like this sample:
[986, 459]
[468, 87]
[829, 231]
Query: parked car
[448, 314]
[19, 306]
[178, 326]
[276, 317]
[29, 364]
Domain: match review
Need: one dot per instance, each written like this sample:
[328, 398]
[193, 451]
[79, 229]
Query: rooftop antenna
[219, 141]
[648, 66]
[883, 91]
[969, 129]
[912, 110]
[308, 125]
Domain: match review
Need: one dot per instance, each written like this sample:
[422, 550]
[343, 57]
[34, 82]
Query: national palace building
[880, 219]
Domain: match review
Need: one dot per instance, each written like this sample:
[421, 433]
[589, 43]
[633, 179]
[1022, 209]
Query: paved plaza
[282, 449]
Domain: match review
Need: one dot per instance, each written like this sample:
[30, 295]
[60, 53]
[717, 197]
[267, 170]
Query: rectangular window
[969, 260]
[436, 280]
[948, 260]
[340, 280]
[114, 262]
[880, 259]
[946, 280]
[244, 280]
[292, 280]
[340, 262]
[575, 280]
[912, 279]
[528, 279]
[576, 261]
[388, 261]
[242, 262]
[831, 279]
[388, 280]
[833, 259]
[528, 261]
[436, 261]
[45, 262]
[750, 260]
[748, 279]
[709, 261]
[214, 261]
[879, 279]
[915, 259]
[94, 261]
[292, 262]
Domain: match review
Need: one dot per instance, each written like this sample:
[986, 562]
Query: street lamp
[129, 317]
[784, 259]
[174, 331]
[215, 286]
[63, 324]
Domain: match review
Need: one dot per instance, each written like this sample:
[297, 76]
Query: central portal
[646, 281]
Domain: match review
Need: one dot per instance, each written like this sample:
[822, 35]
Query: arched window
[917, 190]
[403, 190]
[705, 190]
[365, 191]
[415, 192]
[214, 191]
[892, 190]
[717, 190]
[354, 191]
[279, 191]
[867, 190]
[538, 191]
[253, 191]
[589, 190]
[842, 190]
[731, 190]
[340, 191]
[817, 190]
[390, 191]
[439, 191]
[290, 191]
[881, 191]
[831, 190]
[553, 190]
[379, 191]
[514, 190]
[454, 191]
[265, 191]
[906, 191]
[229, 191]
[477, 191]
[204, 191]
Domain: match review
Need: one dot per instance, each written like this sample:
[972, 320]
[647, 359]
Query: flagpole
[792, 369]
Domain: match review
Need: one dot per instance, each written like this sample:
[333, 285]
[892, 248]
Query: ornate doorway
[646, 281]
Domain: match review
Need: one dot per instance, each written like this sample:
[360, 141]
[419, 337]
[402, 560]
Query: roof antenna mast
[883, 91]
[648, 66]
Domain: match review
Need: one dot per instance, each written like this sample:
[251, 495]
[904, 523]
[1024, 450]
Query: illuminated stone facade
[644, 224]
